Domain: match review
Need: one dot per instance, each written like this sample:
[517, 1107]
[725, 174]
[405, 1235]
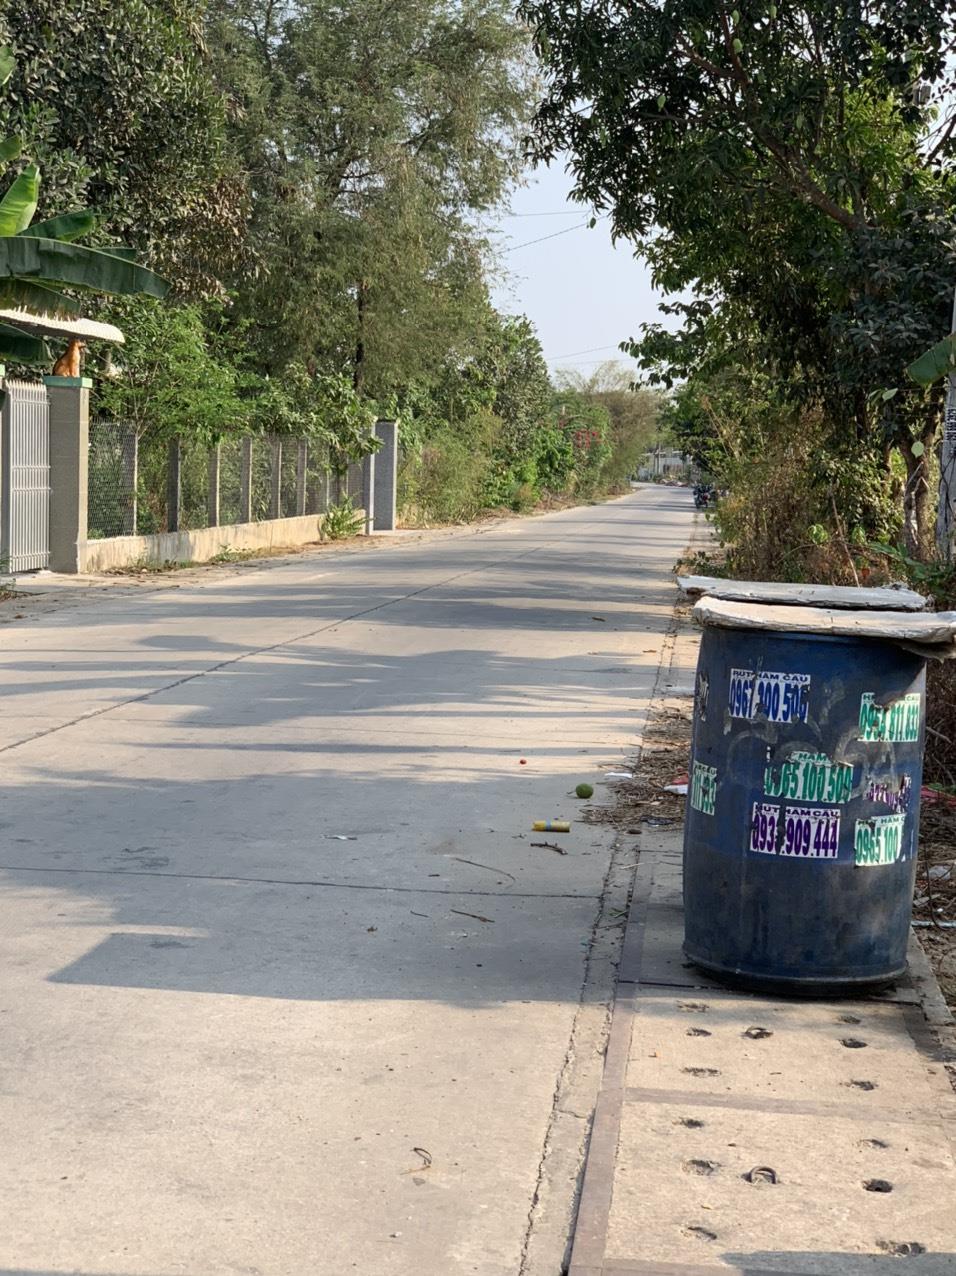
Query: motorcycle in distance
[704, 494]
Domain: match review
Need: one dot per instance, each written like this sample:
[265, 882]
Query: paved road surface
[246, 966]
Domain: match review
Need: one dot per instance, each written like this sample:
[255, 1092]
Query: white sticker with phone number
[778, 697]
[810, 833]
[763, 828]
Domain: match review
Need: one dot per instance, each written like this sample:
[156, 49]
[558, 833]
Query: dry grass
[664, 756]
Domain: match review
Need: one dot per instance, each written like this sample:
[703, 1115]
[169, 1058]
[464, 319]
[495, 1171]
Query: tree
[39, 259]
[123, 116]
[634, 415]
[372, 135]
[793, 164]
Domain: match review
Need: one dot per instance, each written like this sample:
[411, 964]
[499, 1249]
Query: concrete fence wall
[201, 546]
[72, 550]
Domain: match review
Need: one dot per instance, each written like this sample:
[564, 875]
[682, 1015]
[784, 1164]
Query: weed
[341, 521]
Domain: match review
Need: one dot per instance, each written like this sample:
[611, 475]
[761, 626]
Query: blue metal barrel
[803, 809]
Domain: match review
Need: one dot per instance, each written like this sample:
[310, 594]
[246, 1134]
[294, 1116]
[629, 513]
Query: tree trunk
[946, 513]
[361, 302]
[946, 509]
[918, 498]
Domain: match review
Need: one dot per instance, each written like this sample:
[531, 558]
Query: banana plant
[39, 259]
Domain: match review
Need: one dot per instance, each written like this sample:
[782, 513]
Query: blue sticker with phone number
[778, 697]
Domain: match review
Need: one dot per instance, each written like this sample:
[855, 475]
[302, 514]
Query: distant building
[664, 462]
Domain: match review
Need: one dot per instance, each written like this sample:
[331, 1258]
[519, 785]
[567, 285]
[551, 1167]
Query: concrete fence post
[212, 494]
[275, 494]
[385, 483]
[245, 482]
[368, 491]
[174, 484]
[69, 470]
[301, 474]
[130, 452]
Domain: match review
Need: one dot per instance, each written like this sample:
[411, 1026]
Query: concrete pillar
[212, 491]
[301, 475]
[130, 448]
[368, 491]
[386, 476]
[174, 484]
[245, 483]
[69, 473]
[275, 494]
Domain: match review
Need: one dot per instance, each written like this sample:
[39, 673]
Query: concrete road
[285, 988]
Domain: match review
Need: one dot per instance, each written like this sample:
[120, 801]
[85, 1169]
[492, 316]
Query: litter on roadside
[551, 826]
[678, 785]
[551, 846]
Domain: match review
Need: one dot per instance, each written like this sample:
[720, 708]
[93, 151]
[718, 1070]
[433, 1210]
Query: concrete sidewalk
[754, 1135]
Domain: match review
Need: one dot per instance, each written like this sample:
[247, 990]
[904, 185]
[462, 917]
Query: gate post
[69, 471]
[385, 480]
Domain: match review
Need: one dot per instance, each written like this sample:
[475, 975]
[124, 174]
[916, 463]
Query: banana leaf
[10, 149]
[8, 63]
[66, 227]
[58, 263]
[20, 202]
[40, 298]
[18, 347]
[934, 363]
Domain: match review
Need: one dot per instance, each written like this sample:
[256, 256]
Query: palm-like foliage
[39, 259]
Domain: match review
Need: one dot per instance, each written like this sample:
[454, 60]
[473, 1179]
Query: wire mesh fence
[144, 485]
[113, 479]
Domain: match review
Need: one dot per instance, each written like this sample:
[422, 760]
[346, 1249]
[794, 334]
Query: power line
[592, 350]
[527, 244]
[568, 212]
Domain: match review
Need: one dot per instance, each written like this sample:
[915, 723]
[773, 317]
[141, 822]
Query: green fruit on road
[584, 791]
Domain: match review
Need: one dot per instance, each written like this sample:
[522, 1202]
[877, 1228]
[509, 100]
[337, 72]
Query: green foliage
[170, 382]
[375, 132]
[115, 101]
[802, 187]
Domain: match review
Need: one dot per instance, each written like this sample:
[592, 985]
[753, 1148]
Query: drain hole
[758, 1034]
[702, 1233]
[851, 1043]
[861, 1085]
[698, 1032]
[901, 1249]
[690, 1123]
[872, 1143]
[701, 1167]
[702, 1072]
[762, 1174]
[878, 1185]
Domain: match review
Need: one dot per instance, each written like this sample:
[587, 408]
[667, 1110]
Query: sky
[583, 294]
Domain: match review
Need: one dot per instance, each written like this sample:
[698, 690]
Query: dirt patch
[664, 758]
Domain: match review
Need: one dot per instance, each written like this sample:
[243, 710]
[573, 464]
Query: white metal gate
[25, 474]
